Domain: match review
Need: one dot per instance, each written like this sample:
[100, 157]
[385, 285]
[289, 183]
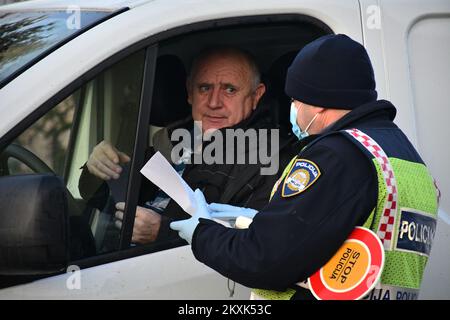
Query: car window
[62, 140]
[26, 35]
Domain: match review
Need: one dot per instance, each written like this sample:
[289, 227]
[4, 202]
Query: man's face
[221, 92]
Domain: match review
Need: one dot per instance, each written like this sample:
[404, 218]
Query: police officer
[355, 167]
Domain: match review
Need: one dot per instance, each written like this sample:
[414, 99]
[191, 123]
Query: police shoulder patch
[301, 176]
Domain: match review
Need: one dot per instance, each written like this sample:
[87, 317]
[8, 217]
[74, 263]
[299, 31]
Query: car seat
[276, 80]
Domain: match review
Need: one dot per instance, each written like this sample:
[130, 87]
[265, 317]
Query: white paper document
[159, 171]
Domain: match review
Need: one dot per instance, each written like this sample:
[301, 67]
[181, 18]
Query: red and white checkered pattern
[387, 221]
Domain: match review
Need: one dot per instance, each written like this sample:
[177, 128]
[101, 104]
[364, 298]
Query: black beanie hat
[333, 71]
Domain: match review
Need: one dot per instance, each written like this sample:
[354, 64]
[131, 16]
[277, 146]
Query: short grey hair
[226, 50]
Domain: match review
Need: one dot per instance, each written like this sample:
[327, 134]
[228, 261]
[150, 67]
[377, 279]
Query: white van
[74, 74]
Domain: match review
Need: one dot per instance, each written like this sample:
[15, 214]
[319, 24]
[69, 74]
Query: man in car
[224, 88]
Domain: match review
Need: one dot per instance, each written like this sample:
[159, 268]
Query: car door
[109, 104]
[113, 106]
[59, 142]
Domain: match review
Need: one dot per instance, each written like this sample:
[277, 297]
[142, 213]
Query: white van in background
[77, 72]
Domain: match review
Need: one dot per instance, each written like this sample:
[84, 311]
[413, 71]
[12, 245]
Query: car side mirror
[33, 225]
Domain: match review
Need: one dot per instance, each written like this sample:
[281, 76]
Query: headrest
[169, 101]
[276, 82]
[278, 70]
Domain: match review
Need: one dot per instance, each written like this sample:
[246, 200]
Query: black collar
[377, 113]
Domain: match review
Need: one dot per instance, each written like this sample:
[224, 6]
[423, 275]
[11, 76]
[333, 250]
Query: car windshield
[27, 36]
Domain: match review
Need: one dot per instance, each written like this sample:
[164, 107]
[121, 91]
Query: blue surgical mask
[295, 128]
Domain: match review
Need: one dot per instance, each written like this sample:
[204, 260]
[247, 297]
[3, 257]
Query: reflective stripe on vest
[387, 221]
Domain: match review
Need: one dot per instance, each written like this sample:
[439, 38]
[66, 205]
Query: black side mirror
[33, 225]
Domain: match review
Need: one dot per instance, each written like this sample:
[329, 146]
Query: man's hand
[146, 223]
[104, 161]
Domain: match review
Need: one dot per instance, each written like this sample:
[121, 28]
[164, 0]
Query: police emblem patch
[302, 175]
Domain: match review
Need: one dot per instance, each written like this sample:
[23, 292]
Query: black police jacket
[291, 238]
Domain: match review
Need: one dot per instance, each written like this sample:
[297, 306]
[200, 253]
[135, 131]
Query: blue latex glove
[186, 227]
[229, 212]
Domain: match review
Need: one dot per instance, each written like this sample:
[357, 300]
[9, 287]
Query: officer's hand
[187, 227]
[146, 223]
[104, 161]
[229, 212]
